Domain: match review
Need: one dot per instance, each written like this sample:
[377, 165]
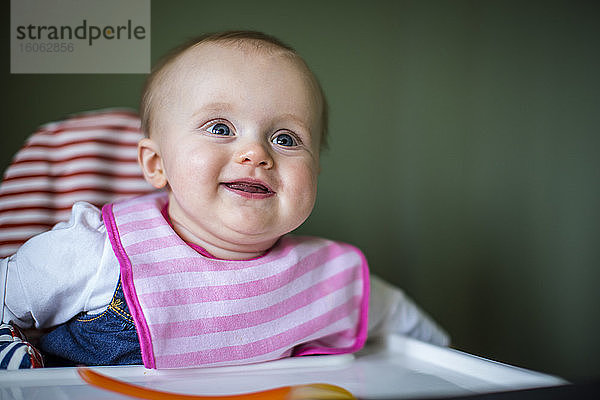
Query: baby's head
[234, 124]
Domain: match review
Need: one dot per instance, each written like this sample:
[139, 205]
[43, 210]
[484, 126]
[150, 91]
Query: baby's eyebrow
[294, 118]
[214, 107]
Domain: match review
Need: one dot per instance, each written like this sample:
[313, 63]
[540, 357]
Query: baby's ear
[151, 163]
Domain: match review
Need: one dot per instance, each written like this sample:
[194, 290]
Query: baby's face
[238, 132]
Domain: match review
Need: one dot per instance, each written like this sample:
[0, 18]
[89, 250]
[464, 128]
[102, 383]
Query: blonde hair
[245, 39]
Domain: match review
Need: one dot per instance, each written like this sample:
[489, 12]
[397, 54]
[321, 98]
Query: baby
[204, 272]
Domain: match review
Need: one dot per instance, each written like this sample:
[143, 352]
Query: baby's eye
[285, 139]
[219, 129]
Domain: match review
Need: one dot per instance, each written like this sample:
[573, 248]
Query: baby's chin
[255, 238]
[251, 228]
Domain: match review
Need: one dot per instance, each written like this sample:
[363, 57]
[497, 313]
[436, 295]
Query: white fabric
[72, 269]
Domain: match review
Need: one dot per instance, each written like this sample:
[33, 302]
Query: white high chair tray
[398, 367]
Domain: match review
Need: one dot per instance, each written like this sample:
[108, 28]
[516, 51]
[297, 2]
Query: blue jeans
[109, 338]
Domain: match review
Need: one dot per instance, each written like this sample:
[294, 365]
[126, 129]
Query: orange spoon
[312, 391]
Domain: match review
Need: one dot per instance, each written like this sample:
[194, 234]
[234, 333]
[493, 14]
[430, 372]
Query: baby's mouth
[249, 188]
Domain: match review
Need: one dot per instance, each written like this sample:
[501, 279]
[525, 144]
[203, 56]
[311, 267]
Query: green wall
[464, 153]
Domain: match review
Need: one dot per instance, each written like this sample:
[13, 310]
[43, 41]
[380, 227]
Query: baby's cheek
[305, 189]
[198, 163]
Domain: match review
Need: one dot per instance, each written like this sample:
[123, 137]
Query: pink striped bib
[305, 296]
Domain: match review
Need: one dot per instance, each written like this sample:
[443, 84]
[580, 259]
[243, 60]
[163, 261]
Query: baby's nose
[254, 155]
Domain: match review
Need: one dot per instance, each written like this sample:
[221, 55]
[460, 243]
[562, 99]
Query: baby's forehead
[212, 66]
[200, 56]
[214, 61]
[207, 66]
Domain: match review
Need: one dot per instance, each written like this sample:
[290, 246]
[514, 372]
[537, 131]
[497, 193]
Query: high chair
[89, 157]
[92, 157]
